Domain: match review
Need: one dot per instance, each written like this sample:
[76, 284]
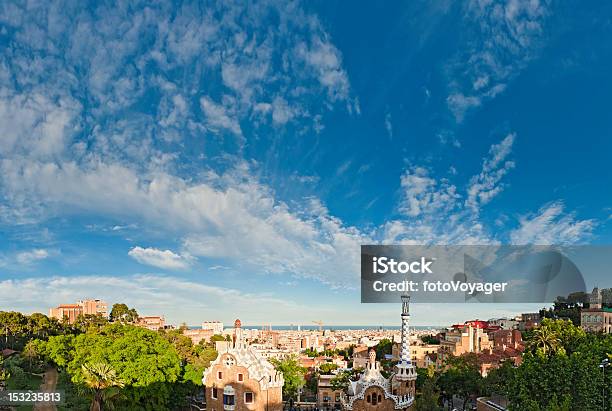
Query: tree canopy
[122, 313]
[145, 362]
[293, 374]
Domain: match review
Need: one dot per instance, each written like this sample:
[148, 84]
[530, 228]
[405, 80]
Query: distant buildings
[198, 335]
[505, 323]
[240, 379]
[152, 322]
[70, 312]
[215, 326]
[470, 337]
[492, 344]
[529, 321]
[421, 354]
[596, 318]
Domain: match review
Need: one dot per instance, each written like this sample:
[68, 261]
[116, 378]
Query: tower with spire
[405, 372]
[376, 392]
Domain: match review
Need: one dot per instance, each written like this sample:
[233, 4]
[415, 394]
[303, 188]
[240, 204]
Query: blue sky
[213, 161]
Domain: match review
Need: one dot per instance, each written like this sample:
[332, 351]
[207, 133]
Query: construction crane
[320, 324]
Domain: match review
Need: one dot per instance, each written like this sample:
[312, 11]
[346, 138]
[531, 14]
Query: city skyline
[223, 162]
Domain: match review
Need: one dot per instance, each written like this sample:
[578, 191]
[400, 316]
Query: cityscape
[292, 205]
[315, 368]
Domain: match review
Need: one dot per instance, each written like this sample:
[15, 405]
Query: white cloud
[423, 194]
[552, 225]
[218, 117]
[325, 59]
[160, 258]
[32, 256]
[35, 125]
[388, 125]
[501, 38]
[433, 209]
[486, 185]
[228, 215]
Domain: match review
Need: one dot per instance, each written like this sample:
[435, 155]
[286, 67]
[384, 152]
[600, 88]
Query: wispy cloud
[217, 117]
[160, 258]
[551, 224]
[389, 125]
[501, 38]
[486, 185]
[32, 256]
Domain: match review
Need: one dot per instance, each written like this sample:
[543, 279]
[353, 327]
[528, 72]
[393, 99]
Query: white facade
[215, 326]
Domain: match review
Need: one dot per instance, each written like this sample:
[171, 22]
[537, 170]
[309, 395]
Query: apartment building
[327, 397]
[70, 312]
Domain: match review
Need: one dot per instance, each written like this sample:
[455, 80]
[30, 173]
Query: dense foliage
[104, 364]
[293, 374]
[560, 371]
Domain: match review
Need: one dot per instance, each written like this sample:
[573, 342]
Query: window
[379, 398]
[374, 399]
[213, 392]
[220, 375]
[240, 377]
[248, 397]
[228, 399]
[229, 396]
[368, 399]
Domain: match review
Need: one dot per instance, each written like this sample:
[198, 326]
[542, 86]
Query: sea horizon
[329, 327]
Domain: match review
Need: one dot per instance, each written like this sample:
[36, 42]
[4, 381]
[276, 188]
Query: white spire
[405, 352]
[404, 368]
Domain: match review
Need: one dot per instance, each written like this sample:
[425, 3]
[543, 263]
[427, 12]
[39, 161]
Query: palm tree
[545, 340]
[103, 381]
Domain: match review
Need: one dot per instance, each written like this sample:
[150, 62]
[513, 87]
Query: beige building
[94, 307]
[240, 379]
[152, 322]
[70, 312]
[462, 340]
[596, 320]
[420, 354]
[67, 312]
[327, 397]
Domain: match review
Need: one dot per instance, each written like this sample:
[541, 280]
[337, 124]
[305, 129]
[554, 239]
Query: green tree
[544, 341]
[327, 368]
[122, 313]
[217, 337]
[462, 377]
[147, 363]
[430, 339]
[383, 348]
[83, 322]
[560, 375]
[342, 380]
[429, 397]
[4, 372]
[293, 374]
[103, 381]
[30, 353]
[13, 329]
[498, 380]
